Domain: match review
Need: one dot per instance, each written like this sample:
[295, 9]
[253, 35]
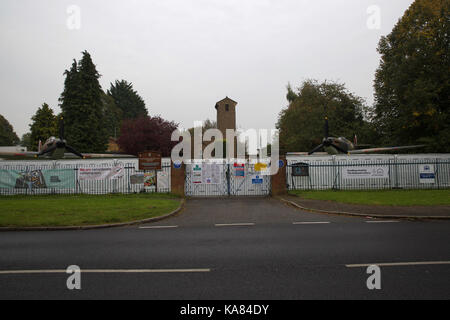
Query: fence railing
[79, 178]
[368, 175]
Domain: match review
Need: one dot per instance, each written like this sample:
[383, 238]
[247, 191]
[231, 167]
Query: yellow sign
[260, 167]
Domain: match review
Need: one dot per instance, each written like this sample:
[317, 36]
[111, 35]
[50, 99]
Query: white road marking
[233, 224]
[382, 221]
[312, 222]
[105, 271]
[398, 264]
[158, 227]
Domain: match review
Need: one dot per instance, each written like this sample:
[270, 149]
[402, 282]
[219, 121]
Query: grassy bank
[82, 210]
[382, 197]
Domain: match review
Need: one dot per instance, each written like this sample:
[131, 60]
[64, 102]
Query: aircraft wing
[99, 155]
[374, 150]
[33, 154]
[12, 155]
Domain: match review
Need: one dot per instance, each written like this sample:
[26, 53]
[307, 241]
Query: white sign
[426, 173]
[163, 180]
[100, 173]
[365, 172]
[197, 173]
[211, 173]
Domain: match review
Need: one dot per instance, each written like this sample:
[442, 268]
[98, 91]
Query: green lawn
[82, 210]
[385, 197]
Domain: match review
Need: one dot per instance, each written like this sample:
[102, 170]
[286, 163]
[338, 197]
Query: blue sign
[427, 176]
[257, 180]
[177, 165]
[280, 164]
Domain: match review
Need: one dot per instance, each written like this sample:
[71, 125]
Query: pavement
[251, 248]
[333, 207]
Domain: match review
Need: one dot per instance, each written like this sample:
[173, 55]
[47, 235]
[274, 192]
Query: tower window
[227, 107]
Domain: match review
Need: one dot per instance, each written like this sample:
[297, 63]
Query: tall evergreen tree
[128, 100]
[112, 116]
[412, 83]
[82, 107]
[7, 135]
[43, 126]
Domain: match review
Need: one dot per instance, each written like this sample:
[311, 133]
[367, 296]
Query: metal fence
[69, 177]
[368, 174]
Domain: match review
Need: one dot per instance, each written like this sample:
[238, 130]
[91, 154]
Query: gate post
[177, 178]
[279, 184]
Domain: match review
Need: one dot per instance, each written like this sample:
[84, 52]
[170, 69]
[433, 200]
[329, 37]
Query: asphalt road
[232, 249]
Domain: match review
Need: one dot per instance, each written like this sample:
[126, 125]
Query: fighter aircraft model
[57, 148]
[341, 145]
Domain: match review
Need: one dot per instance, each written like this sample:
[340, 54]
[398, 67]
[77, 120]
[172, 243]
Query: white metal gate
[221, 179]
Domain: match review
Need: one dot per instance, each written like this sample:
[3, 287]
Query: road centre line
[54, 271]
[312, 222]
[398, 264]
[233, 224]
[382, 221]
[158, 227]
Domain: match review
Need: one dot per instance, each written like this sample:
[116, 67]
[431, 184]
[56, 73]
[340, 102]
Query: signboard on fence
[197, 173]
[365, 172]
[211, 173]
[427, 173]
[163, 180]
[149, 179]
[38, 179]
[100, 173]
[300, 169]
[256, 179]
[149, 160]
[137, 178]
[239, 170]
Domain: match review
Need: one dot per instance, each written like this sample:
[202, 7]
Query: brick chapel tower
[226, 117]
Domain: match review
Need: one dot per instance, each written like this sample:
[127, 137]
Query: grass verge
[381, 197]
[82, 210]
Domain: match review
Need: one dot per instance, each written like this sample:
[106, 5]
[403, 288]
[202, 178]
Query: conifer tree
[128, 100]
[82, 107]
[43, 126]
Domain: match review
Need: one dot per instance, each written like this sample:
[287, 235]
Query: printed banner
[100, 173]
[37, 179]
[149, 179]
[59, 178]
[369, 172]
[427, 173]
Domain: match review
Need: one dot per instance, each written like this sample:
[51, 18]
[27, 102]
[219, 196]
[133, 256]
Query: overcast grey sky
[184, 55]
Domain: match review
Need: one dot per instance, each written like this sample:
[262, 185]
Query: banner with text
[100, 173]
[365, 172]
